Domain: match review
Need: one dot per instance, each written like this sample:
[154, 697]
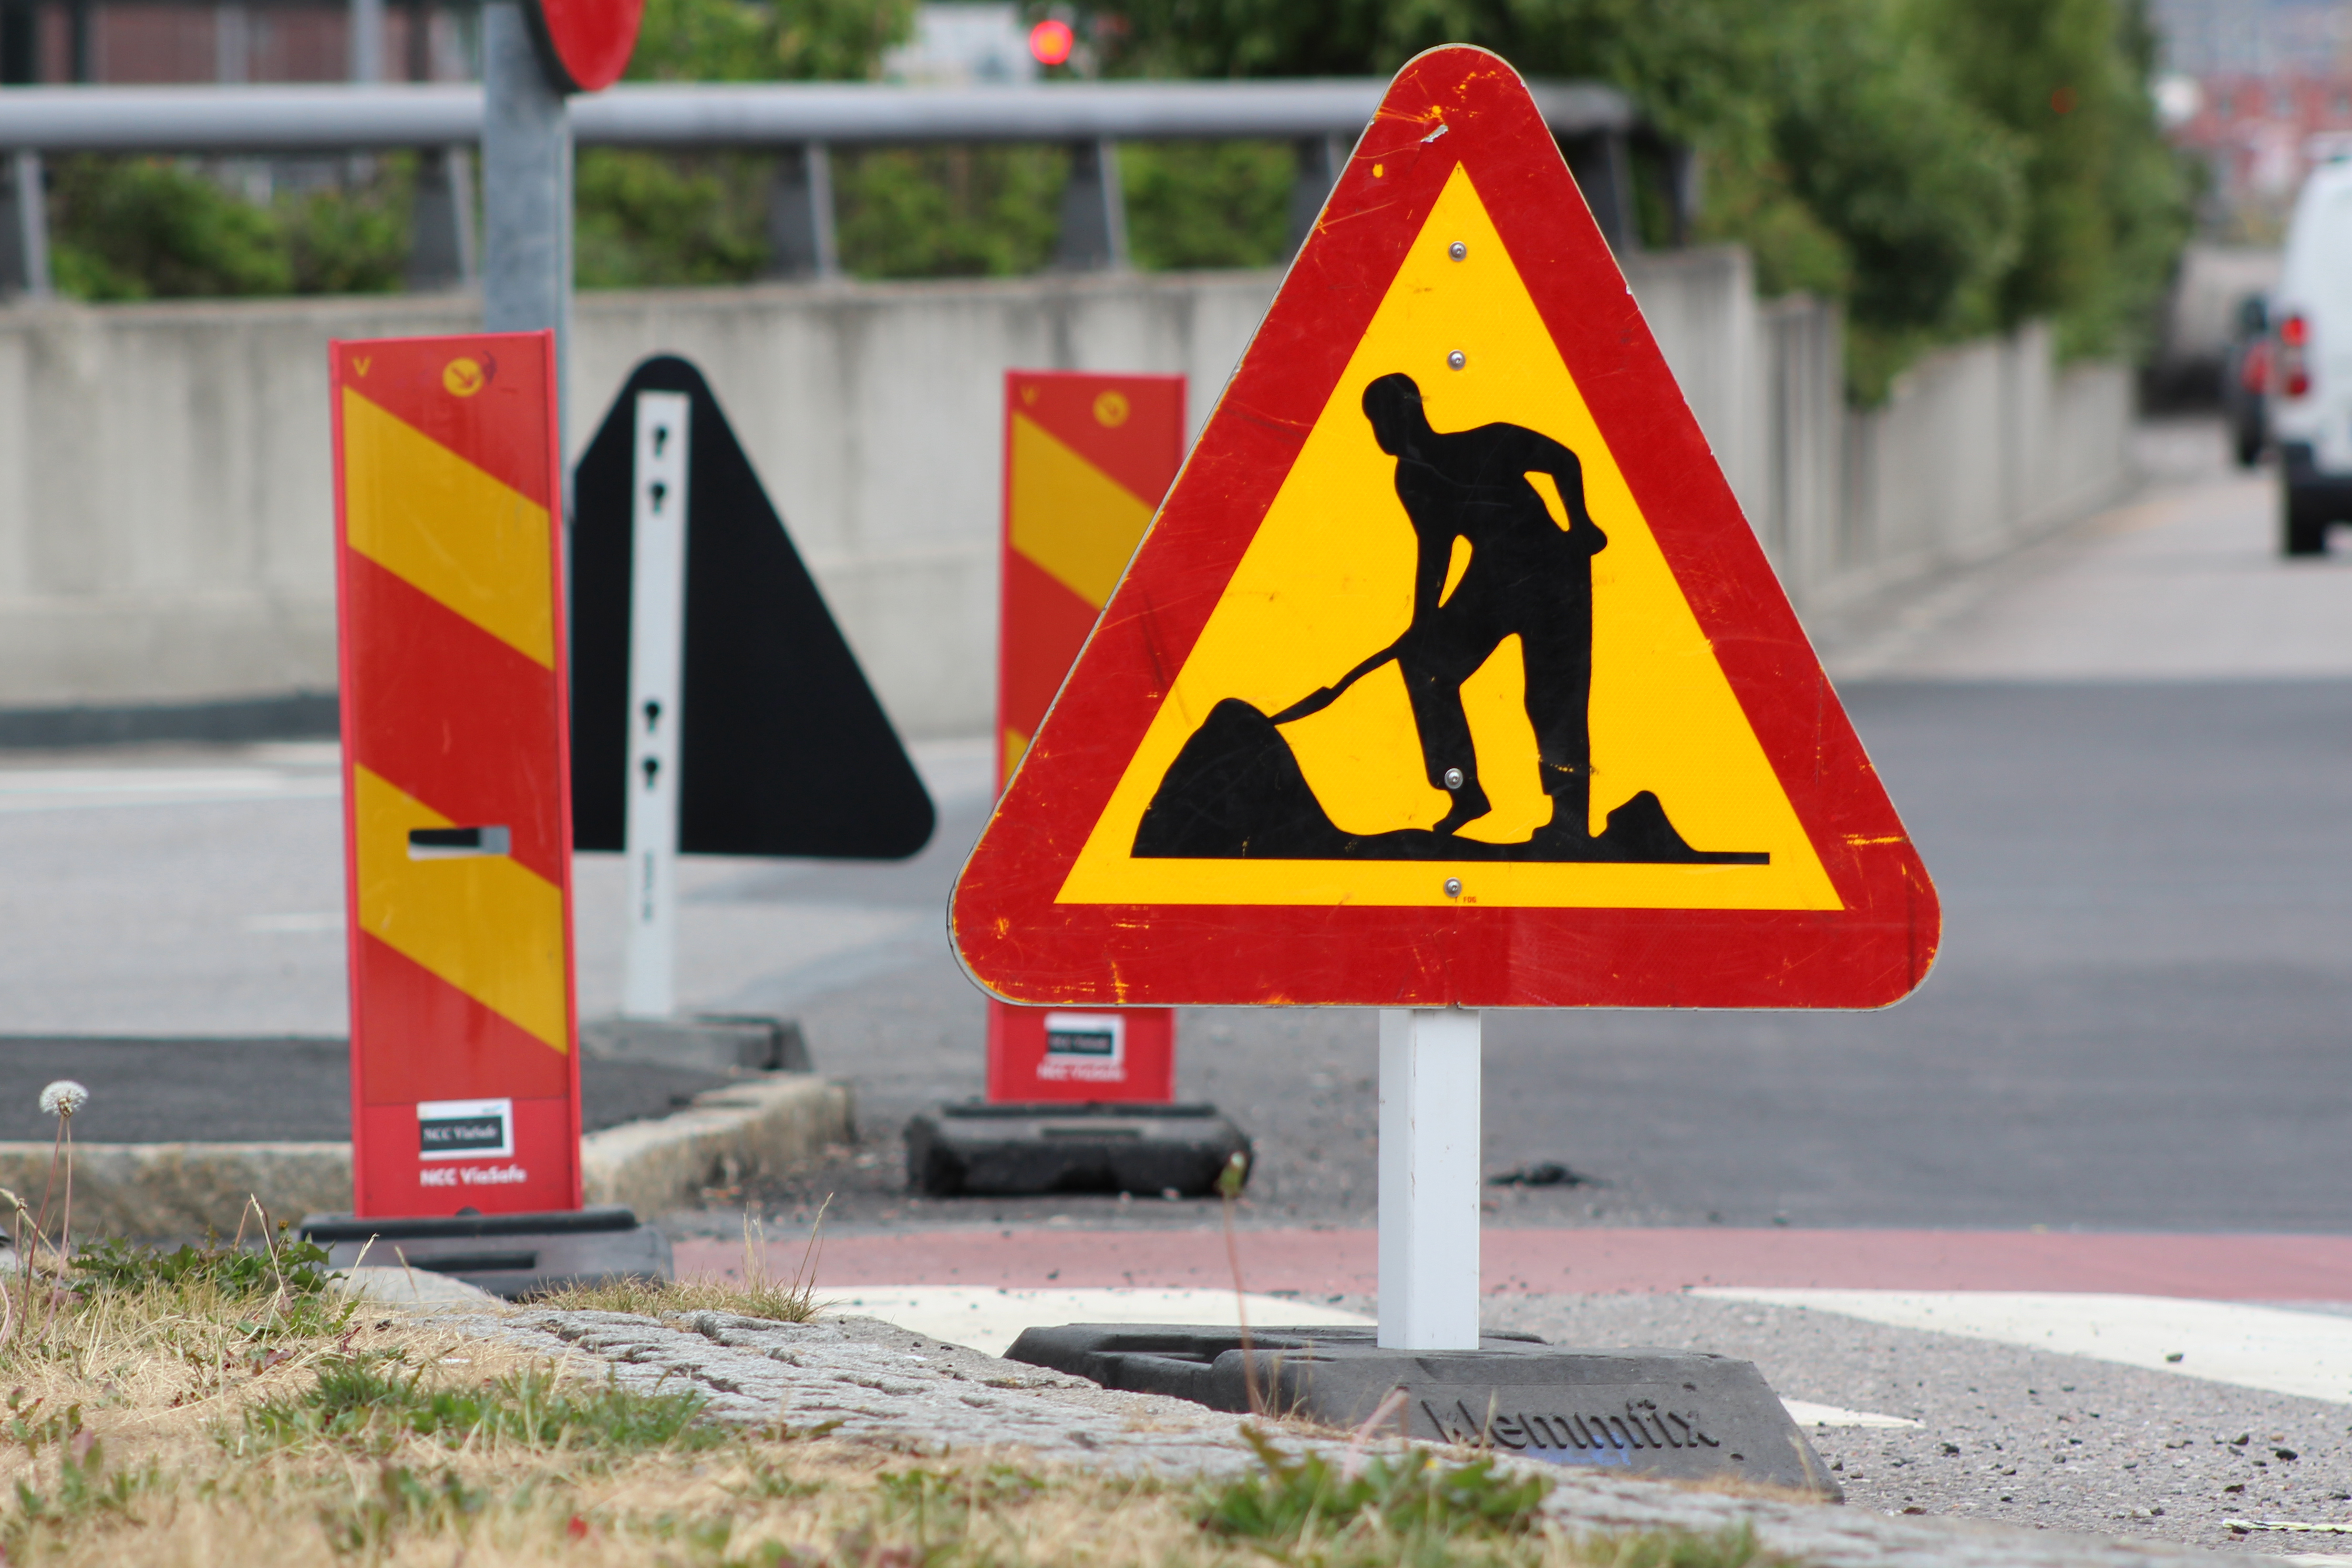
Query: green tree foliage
[1207, 204]
[949, 211]
[145, 228]
[644, 220]
[787, 41]
[1942, 167]
[2105, 202]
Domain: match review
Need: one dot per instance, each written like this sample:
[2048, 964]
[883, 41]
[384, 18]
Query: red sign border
[1449, 107]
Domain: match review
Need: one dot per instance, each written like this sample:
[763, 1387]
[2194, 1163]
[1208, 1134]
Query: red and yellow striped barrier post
[1086, 459]
[456, 806]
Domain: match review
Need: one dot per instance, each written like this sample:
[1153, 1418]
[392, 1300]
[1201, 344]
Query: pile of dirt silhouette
[1235, 792]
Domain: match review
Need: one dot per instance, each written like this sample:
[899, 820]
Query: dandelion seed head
[63, 1098]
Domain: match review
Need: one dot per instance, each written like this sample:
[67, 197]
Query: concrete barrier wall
[1977, 449]
[164, 496]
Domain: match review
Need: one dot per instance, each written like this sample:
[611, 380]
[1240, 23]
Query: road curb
[149, 1190]
[179, 1189]
[743, 1128]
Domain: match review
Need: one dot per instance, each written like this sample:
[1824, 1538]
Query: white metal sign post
[1429, 1179]
[656, 659]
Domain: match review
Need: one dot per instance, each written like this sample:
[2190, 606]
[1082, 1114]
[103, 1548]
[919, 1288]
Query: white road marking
[62, 789]
[2306, 1354]
[1806, 1414]
[989, 1320]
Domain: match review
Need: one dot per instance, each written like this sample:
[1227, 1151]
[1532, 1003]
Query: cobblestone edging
[885, 1385]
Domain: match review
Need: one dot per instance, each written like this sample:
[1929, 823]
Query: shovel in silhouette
[1315, 702]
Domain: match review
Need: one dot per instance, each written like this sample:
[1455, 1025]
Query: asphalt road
[2122, 753]
[258, 1091]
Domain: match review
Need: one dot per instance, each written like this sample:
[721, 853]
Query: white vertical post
[1429, 1179]
[657, 661]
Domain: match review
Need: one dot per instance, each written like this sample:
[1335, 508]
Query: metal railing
[1598, 128]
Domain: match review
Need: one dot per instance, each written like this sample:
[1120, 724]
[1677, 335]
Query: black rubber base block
[707, 1042]
[509, 1255]
[1676, 1415]
[1009, 1149]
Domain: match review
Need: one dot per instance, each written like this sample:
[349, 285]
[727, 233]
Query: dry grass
[192, 1420]
[756, 1502]
[755, 1294]
[784, 1303]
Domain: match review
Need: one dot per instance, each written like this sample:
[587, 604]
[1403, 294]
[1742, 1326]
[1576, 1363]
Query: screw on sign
[585, 43]
[1448, 676]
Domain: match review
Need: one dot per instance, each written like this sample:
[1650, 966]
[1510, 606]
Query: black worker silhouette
[1236, 790]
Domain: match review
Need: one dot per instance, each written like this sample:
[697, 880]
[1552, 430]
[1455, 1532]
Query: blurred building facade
[2261, 89]
[56, 41]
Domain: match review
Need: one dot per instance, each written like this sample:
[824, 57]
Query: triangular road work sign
[784, 751]
[1449, 673]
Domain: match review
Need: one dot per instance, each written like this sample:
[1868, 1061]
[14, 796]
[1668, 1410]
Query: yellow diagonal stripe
[1069, 516]
[425, 514]
[487, 926]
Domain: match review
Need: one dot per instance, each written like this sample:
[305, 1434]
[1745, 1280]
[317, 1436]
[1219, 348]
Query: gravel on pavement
[2005, 1434]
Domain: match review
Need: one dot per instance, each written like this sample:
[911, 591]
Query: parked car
[2245, 379]
[2310, 391]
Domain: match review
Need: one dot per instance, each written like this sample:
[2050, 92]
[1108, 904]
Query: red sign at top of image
[1450, 673]
[589, 41]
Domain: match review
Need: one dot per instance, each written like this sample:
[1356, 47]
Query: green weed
[298, 1267]
[402, 1500]
[1733, 1547]
[1303, 1497]
[373, 1401]
[84, 1492]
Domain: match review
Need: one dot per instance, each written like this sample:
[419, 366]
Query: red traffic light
[1051, 41]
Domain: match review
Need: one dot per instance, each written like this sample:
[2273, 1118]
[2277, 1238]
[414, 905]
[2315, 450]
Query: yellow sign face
[1486, 710]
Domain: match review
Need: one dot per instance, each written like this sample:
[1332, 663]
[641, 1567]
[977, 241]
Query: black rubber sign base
[1671, 1414]
[1004, 1151]
[509, 1255]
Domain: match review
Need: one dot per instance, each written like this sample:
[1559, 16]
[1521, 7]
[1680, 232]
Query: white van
[2311, 362]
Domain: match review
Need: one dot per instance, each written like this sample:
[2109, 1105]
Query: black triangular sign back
[786, 751]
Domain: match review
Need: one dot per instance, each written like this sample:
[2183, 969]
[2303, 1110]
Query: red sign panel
[457, 832]
[588, 41]
[1086, 460]
[1450, 673]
